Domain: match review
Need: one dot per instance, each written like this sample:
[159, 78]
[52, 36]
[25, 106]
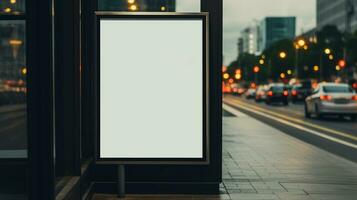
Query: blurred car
[277, 92]
[299, 93]
[250, 94]
[260, 94]
[237, 89]
[332, 99]
[353, 84]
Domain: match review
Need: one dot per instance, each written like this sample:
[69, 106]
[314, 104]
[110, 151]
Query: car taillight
[294, 92]
[354, 97]
[325, 97]
[270, 93]
[354, 85]
[285, 93]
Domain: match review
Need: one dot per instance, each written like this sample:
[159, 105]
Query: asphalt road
[13, 134]
[334, 134]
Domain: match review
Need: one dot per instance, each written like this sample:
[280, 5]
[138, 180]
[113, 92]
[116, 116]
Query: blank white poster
[151, 83]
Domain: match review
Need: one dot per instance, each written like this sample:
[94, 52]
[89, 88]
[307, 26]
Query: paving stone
[262, 163]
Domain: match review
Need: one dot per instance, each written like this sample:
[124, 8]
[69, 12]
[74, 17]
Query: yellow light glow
[330, 57]
[282, 54]
[133, 7]
[263, 56]
[7, 10]
[226, 76]
[24, 71]
[289, 72]
[282, 75]
[131, 1]
[163, 8]
[301, 42]
[338, 68]
[306, 47]
[238, 71]
[15, 42]
[238, 76]
[297, 46]
[316, 68]
[12, 1]
[327, 51]
[261, 61]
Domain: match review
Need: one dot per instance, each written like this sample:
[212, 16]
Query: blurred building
[309, 36]
[248, 41]
[240, 45]
[274, 29]
[138, 5]
[341, 13]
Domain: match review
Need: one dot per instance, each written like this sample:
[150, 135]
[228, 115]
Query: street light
[238, 76]
[301, 43]
[327, 51]
[7, 10]
[256, 69]
[282, 55]
[163, 8]
[261, 61]
[316, 68]
[133, 7]
[24, 71]
[282, 75]
[226, 76]
[342, 63]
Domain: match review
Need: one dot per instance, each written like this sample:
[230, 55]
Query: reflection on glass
[13, 134]
[150, 5]
[12, 6]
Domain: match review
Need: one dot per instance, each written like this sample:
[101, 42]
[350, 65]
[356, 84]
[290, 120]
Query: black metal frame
[40, 99]
[40, 82]
[15, 17]
[205, 89]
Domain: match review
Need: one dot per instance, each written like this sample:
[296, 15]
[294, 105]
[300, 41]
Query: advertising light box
[151, 88]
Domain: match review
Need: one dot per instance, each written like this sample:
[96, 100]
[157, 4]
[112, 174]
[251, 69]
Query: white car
[332, 99]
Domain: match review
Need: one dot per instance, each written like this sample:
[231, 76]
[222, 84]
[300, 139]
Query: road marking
[233, 111]
[298, 121]
[282, 121]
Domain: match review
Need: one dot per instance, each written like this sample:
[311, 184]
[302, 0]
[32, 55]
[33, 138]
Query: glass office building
[273, 29]
[341, 13]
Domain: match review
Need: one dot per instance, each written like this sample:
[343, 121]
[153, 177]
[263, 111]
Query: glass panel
[12, 6]
[150, 5]
[13, 134]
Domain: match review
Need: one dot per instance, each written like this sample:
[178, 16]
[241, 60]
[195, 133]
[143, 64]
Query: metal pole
[297, 63]
[121, 181]
[320, 67]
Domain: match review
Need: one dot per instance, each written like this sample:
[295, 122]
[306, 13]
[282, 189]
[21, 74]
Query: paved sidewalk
[262, 163]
